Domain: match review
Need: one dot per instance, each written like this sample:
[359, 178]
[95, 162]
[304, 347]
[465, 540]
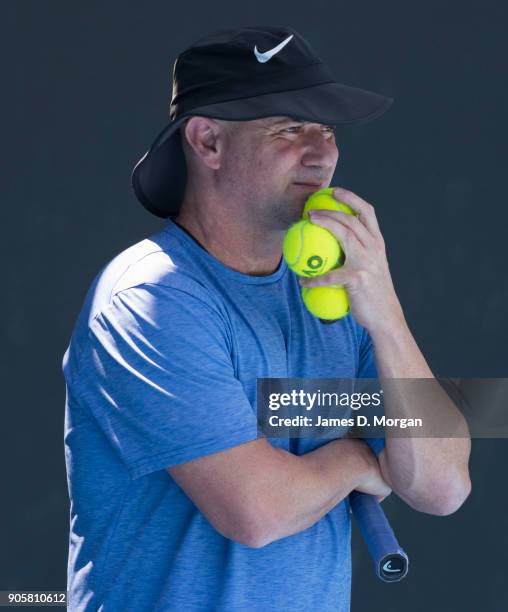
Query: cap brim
[160, 175]
[329, 103]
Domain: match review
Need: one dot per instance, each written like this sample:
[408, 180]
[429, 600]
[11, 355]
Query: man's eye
[294, 129]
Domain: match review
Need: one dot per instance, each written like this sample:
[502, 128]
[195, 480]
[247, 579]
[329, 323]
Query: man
[176, 504]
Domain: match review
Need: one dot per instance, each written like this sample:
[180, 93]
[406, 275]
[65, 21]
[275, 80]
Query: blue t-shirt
[161, 369]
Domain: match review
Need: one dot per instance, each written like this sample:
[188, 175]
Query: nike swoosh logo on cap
[267, 55]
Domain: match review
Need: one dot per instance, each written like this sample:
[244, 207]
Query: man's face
[272, 165]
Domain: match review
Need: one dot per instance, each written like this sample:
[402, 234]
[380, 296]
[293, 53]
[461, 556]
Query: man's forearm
[302, 489]
[321, 479]
[255, 493]
[430, 474]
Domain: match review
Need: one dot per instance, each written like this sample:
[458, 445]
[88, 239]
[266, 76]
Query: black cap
[239, 75]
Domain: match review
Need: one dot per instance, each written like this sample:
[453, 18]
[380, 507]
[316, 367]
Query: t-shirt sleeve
[367, 369]
[158, 378]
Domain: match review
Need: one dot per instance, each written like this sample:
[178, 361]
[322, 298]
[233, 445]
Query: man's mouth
[314, 185]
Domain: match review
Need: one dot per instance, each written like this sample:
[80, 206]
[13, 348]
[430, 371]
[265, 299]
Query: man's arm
[255, 493]
[430, 474]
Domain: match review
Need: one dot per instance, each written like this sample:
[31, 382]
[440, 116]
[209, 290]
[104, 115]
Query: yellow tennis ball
[310, 250]
[329, 302]
[324, 200]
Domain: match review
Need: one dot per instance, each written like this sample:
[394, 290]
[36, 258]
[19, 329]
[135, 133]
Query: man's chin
[289, 219]
[295, 209]
[288, 211]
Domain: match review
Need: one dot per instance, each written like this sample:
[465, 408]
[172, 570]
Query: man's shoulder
[158, 261]
[146, 262]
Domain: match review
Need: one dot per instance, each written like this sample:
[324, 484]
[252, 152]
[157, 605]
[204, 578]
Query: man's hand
[365, 273]
[372, 480]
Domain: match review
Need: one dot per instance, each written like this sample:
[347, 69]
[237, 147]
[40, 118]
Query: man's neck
[239, 245]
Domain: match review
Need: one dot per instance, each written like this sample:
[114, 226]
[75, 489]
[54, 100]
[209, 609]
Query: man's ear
[205, 137]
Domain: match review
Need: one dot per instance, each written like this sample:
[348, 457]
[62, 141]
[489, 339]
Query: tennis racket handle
[390, 559]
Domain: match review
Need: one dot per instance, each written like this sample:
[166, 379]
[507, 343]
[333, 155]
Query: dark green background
[86, 87]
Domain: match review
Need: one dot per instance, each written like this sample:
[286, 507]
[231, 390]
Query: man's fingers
[352, 223]
[364, 209]
[345, 235]
[338, 277]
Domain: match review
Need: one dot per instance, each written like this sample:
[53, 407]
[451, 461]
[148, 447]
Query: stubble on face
[257, 179]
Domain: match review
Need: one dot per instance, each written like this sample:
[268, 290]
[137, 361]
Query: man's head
[262, 170]
[250, 76]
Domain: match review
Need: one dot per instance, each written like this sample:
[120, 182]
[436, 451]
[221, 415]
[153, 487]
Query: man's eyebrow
[287, 120]
[283, 120]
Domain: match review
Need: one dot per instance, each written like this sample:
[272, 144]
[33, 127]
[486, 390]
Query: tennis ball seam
[303, 234]
[294, 261]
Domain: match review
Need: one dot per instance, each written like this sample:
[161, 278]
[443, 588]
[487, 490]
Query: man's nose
[319, 149]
